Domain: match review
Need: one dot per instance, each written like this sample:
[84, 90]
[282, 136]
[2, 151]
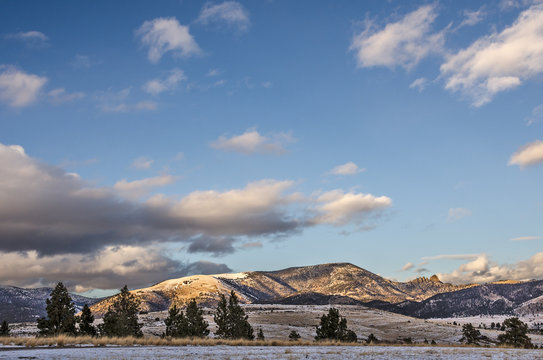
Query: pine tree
[232, 323]
[294, 336]
[334, 327]
[260, 335]
[196, 325]
[221, 318]
[515, 334]
[372, 339]
[471, 335]
[121, 319]
[60, 314]
[176, 323]
[86, 321]
[4, 329]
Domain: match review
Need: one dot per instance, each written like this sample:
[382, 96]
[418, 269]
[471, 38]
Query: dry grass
[63, 340]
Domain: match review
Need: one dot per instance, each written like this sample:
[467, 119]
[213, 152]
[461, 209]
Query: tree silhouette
[232, 323]
[4, 329]
[471, 335]
[334, 327]
[121, 319]
[86, 321]
[60, 314]
[515, 334]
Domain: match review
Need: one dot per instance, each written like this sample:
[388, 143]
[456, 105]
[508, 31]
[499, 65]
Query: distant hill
[326, 283]
[502, 298]
[20, 305]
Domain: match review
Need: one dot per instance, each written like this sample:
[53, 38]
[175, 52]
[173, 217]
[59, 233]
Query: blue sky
[143, 140]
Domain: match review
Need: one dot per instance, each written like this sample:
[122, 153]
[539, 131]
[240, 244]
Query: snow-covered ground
[279, 352]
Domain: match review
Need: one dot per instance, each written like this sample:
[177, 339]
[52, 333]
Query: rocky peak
[435, 279]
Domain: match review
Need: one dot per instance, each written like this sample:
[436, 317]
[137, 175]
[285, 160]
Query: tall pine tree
[86, 321]
[4, 328]
[232, 323]
[121, 319]
[176, 323]
[334, 327]
[196, 325]
[60, 314]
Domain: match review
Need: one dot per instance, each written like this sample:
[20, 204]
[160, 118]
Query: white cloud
[419, 84]
[267, 84]
[526, 238]
[18, 88]
[340, 208]
[472, 17]
[162, 35]
[124, 107]
[500, 61]
[450, 257]
[157, 86]
[408, 266]
[213, 72]
[536, 116]
[29, 36]
[349, 168]
[230, 13]
[456, 214]
[529, 154]
[251, 142]
[482, 270]
[402, 43]
[59, 96]
[138, 188]
[142, 163]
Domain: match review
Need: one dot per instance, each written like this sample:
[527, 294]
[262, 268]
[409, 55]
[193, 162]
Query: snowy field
[279, 352]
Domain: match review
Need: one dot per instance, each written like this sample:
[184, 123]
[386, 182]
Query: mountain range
[336, 283]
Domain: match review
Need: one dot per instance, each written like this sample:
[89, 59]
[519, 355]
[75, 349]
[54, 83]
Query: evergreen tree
[121, 319]
[176, 323]
[334, 327]
[294, 336]
[4, 328]
[86, 321]
[260, 335]
[221, 317]
[60, 314]
[471, 335]
[196, 325]
[232, 323]
[515, 334]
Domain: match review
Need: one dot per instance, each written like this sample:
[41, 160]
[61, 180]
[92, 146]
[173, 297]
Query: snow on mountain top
[231, 276]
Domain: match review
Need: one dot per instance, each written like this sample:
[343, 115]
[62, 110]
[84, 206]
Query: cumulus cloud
[18, 88]
[215, 245]
[483, 270]
[157, 86]
[251, 142]
[108, 268]
[456, 214]
[408, 266]
[229, 13]
[138, 188]
[51, 215]
[402, 43]
[529, 154]
[60, 96]
[162, 35]
[349, 168]
[500, 61]
[340, 208]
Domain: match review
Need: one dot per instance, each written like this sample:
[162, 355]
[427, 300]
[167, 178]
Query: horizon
[194, 138]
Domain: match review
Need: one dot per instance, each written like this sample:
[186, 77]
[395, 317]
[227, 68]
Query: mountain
[20, 305]
[326, 283]
[501, 298]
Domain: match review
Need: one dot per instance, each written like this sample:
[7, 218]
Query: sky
[141, 141]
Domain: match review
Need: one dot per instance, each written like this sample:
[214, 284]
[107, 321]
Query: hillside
[337, 282]
[18, 304]
[512, 298]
